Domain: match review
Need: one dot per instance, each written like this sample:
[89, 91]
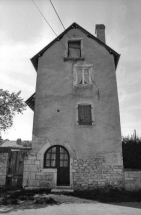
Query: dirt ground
[70, 204]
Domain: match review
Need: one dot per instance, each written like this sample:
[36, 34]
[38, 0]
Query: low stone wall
[132, 180]
[3, 168]
[101, 170]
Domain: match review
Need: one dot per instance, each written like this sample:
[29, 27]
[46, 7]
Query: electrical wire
[75, 49]
[57, 14]
[62, 23]
[47, 22]
[44, 18]
[60, 40]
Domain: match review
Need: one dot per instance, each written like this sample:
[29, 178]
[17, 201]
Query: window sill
[83, 85]
[73, 59]
[85, 126]
[131, 170]
[48, 170]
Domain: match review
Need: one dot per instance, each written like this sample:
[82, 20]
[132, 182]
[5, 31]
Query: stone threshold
[59, 189]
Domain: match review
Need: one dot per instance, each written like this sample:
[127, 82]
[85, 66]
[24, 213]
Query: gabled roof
[31, 101]
[34, 59]
[8, 145]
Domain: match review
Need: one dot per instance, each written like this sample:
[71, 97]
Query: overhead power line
[98, 93]
[47, 22]
[61, 41]
[62, 24]
[44, 18]
[57, 14]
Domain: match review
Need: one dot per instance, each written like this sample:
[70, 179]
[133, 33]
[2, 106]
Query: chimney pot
[100, 32]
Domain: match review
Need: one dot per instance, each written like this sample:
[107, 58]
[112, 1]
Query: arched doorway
[58, 157]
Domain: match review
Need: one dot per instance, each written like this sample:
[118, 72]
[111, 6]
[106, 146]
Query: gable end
[34, 59]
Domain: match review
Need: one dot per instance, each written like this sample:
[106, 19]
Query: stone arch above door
[44, 148]
[40, 159]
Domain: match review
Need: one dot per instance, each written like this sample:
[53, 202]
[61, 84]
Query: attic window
[74, 49]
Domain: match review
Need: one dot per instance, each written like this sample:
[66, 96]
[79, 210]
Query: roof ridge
[34, 59]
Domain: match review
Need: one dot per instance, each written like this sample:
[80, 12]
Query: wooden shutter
[84, 115]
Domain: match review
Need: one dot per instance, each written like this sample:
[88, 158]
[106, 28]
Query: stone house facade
[76, 130]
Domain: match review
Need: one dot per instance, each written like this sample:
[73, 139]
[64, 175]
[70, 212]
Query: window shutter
[81, 114]
[84, 115]
[88, 117]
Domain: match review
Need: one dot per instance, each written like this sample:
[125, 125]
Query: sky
[23, 33]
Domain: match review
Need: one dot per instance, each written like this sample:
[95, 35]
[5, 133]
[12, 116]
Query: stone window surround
[40, 156]
[66, 51]
[82, 66]
[85, 102]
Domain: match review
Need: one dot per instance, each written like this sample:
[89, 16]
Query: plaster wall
[95, 150]
[56, 99]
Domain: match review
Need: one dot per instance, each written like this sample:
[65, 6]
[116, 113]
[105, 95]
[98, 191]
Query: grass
[14, 197]
[105, 195]
[110, 195]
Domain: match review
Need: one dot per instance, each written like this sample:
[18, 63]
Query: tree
[10, 103]
[131, 150]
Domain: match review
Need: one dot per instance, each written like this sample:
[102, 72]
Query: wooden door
[15, 169]
[63, 178]
[58, 157]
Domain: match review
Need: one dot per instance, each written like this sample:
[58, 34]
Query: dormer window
[74, 49]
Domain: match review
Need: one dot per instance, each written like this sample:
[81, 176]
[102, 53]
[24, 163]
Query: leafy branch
[10, 103]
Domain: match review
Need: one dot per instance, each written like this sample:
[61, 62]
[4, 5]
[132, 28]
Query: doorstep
[60, 189]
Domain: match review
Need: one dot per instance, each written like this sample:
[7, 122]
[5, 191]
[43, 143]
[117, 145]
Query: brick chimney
[100, 32]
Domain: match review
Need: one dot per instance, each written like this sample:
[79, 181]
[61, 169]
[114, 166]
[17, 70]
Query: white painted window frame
[82, 67]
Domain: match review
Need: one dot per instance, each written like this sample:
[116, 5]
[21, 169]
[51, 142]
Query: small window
[82, 75]
[56, 157]
[50, 158]
[74, 49]
[84, 115]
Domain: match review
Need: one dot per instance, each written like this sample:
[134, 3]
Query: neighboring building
[12, 155]
[76, 130]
